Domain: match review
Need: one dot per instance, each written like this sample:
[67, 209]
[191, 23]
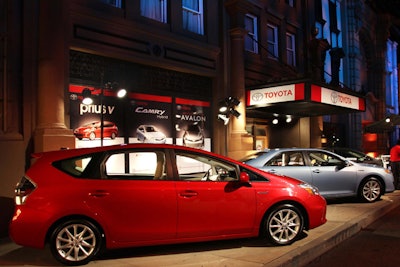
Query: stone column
[239, 139]
[51, 132]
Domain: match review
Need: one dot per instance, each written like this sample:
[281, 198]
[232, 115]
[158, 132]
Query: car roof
[75, 152]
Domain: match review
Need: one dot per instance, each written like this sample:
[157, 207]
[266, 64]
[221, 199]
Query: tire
[92, 136]
[75, 242]
[370, 190]
[284, 225]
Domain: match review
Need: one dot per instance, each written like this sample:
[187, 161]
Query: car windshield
[150, 129]
[252, 156]
[352, 154]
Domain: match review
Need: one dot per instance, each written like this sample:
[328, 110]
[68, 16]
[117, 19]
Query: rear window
[74, 166]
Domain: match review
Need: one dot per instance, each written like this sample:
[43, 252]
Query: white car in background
[150, 134]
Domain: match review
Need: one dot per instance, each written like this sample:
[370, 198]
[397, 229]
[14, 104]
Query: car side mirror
[244, 177]
[343, 164]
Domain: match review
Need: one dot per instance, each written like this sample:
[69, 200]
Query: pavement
[346, 217]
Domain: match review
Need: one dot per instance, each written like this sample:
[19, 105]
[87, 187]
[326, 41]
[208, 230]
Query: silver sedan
[334, 175]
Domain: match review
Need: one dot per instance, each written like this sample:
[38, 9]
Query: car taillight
[23, 189]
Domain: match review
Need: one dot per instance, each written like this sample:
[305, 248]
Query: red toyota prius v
[82, 201]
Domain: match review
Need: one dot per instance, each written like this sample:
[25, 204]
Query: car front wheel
[284, 224]
[92, 136]
[75, 242]
[370, 190]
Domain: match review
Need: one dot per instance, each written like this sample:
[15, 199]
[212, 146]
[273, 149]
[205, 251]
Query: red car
[83, 200]
[92, 130]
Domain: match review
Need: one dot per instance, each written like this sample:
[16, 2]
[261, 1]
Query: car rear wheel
[284, 224]
[370, 190]
[75, 242]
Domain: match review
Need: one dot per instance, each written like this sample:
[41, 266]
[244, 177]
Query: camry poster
[138, 118]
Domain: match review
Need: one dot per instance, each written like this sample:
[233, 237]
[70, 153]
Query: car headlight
[309, 188]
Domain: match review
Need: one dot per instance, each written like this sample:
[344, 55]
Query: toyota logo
[257, 97]
[334, 97]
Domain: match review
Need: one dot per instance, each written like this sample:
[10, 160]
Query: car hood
[155, 135]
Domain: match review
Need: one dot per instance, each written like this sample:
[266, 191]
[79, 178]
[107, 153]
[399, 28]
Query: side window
[323, 159]
[296, 159]
[193, 167]
[287, 159]
[136, 165]
[73, 166]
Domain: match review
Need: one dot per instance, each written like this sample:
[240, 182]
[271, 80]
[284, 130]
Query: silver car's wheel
[370, 190]
[75, 242]
[284, 224]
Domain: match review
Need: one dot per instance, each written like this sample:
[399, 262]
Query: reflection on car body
[81, 200]
[92, 130]
[332, 174]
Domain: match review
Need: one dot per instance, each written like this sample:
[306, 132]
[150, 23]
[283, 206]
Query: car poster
[138, 118]
[150, 119]
[192, 123]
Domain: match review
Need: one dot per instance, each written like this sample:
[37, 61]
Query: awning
[302, 99]
[387, 124]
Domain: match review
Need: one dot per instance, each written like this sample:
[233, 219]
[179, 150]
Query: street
[376, 245]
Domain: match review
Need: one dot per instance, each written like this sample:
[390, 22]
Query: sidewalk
[345, 218]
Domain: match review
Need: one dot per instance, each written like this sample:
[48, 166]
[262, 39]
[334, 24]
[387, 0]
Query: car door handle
[272, 171]
[99, 193]
[316, 171]
[188, 194]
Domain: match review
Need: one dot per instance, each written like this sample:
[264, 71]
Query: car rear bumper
[32, 236]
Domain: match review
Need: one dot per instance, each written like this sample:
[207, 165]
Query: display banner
[86, 119]
[138, 118]
[150, 119]
[192, 123]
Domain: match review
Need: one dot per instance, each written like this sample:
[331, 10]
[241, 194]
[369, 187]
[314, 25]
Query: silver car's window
[136, 165]
[294, 158]
[318, 158]
[193, 167]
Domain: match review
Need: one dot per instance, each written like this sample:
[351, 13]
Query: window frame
[117, 3]
[273, 43]
[252, 35]
[200, 17]
[163, 9]
[291, 51]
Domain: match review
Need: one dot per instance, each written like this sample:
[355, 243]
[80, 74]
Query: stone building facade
[197, 55]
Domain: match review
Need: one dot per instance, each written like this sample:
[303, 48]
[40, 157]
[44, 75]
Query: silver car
[332, 174]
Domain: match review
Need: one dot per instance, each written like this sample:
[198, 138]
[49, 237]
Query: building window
[291, 3]
[291, 49]
[272, 39]
[154, 9]
[116, 3]
[193, 15]
[250, 25]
